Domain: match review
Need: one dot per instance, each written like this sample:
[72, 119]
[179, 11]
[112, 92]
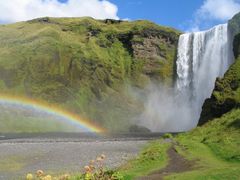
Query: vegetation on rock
[84, 65]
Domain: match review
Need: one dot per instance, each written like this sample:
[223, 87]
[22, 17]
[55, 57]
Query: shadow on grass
[235, 124]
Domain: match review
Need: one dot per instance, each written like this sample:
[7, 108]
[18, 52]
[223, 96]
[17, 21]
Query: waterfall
[202, 57]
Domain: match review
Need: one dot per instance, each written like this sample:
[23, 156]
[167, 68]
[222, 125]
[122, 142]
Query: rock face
[155, 49]
[234, 24]
[83, 65]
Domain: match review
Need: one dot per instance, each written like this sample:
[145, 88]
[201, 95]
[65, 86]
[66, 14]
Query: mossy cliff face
[234, 24]
[226, 94]
[83, 65]
[225, 97]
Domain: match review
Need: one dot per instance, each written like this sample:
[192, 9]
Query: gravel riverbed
[19, 157]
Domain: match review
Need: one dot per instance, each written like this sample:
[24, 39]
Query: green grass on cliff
[83, 65]
[225, 96]
[229, 86]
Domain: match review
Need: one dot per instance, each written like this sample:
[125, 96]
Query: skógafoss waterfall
[201, 58]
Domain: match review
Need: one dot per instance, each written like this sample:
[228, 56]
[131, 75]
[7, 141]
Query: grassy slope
[82, 64]
[153, 157]
[214, 147]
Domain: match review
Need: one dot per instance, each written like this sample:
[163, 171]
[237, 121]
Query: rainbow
[52, 109]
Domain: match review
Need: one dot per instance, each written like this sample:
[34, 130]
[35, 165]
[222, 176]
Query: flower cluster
[95, 170]
[39, 175]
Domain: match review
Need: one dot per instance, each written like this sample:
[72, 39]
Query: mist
[165, 109]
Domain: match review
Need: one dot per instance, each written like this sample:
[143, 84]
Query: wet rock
[139, 129]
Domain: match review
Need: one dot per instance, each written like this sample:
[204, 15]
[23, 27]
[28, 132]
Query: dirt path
[176, 164]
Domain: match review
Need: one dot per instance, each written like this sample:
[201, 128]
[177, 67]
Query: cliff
[84, 65]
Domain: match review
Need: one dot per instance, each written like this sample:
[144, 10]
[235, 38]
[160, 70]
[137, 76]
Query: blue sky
[180, 14]
[163, 12]
[186, 15]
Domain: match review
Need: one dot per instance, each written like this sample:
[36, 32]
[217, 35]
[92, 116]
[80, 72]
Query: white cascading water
[202, 57]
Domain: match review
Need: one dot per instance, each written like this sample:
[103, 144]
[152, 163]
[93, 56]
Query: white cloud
[219, 9]
[212, 12]
[20, 10]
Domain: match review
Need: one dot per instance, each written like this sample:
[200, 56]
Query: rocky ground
[20, 156]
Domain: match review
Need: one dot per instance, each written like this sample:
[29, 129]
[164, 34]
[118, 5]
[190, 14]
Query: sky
[185, 15]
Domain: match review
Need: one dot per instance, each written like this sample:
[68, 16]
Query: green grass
[215, 147]
[152, 158]
[11, 164]
[229, 86]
